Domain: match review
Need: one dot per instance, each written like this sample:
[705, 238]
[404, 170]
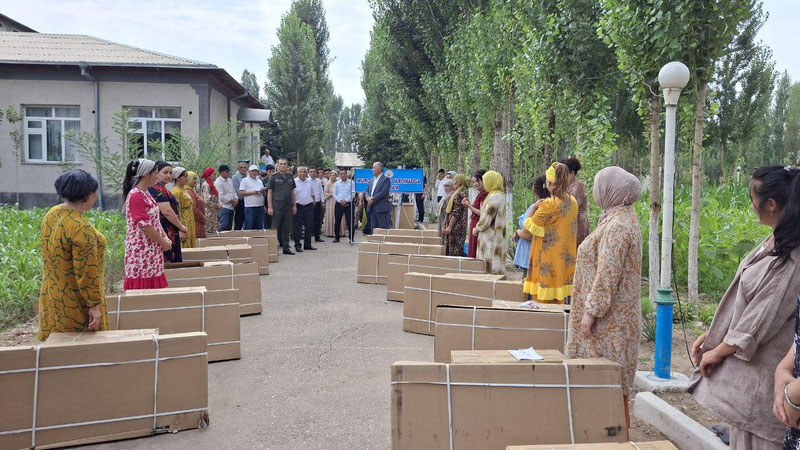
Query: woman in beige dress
[491, 227]
[578, 190]
[754, 323]
[605, 321]
[442, 222]
[328, 226]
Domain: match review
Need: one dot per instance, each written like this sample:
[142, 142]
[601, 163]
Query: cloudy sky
[238, 34]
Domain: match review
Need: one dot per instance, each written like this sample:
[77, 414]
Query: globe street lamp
[672, 78]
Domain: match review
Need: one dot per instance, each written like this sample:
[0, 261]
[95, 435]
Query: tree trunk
[476, 148]
[697, 178]
[655, 195]
[462, 147]
[720, 170]
[503, 157]
[551, 132]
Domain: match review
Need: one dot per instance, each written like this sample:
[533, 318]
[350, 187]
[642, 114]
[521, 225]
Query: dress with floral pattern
[144, 259]
[186, 214]
[199, 213]
[162, 195]
[792, 439]
[454, 242]
[73, 253]
[492, 233]
[212, 213]
[608, 278]
[553, 248]
[578, 190]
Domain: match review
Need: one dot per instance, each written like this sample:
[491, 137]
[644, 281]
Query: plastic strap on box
[119, 309]
[474, 313]
[430, 302]
[633, 444]
[569, 403]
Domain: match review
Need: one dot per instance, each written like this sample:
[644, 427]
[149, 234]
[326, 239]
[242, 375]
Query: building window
[156, 125]
[46, 129]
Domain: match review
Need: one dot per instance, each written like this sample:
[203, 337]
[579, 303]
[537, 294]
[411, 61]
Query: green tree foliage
[792, 137]
[292, 89]
[250, 83]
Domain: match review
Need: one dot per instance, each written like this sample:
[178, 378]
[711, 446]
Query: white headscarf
[143, 168]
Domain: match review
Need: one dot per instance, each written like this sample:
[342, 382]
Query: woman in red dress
[145, 239]
[475, 208]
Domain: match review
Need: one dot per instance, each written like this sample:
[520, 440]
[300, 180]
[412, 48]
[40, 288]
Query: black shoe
[319, 240]
[309, 248]
[298, 249]
[287, 251]
[336, 240]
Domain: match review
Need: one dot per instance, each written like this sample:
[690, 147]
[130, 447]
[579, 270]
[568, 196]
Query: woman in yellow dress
[553, 222]
[72, 297]
[185, 206]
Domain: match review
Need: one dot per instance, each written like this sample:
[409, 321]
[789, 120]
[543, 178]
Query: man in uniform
[281, 203]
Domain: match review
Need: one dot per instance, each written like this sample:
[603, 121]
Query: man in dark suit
[379, 207]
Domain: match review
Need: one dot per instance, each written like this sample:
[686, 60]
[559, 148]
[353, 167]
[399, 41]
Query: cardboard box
[83, 388]
[423, 292]
[240, 254]
[246, 233]
[653, 445]
[373, 262]
[182, 310]
[399, 265]
[489, 328]
[410, 239]
[222, 275]
[405, 232]
[490, 406]
[261, 248]
[501, 357]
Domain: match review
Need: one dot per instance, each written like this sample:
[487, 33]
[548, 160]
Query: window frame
[143, 122]
[42, 131]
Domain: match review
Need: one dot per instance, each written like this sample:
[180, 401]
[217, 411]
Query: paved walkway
[314, 371]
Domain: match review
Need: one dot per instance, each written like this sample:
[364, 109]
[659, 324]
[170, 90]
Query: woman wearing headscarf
[198, 205]
[553, 224]
[456, 226]
[491, 227]
[578, 190]
[168, 208]
[754, 323]
[522, 256]
[72, 296]
[605, 321]
[448, 192]
[145, 238]
[475, 209]
[180, 179]
[211, 200]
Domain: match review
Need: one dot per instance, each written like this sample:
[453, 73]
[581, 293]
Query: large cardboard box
[399, 265]
[408, 216]
[488, 328]
[83, 388]
[653, 445]
[245, 233]
[240, 254]
[500, 357]
[373, 264]
[490, 406]
[182, 310]
[221, 275]
[261, 248]
[400, 238]
[423, 292]
[404, 232]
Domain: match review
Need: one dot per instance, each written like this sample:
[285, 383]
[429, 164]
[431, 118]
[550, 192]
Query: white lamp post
[672, 78]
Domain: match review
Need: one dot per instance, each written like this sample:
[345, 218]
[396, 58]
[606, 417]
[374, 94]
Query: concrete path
[314, 371]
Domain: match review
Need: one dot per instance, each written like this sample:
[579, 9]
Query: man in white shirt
[227, 196]
[241, 173]
[252, 189]
[440, 186]
[343, 196]
[319, 213]
[304, 219]
[266, 160]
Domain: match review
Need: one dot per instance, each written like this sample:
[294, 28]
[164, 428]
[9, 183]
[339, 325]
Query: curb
[677, 426]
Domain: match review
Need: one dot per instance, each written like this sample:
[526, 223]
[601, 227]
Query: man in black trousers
[281, 203]
[343, 196]
[304, 219]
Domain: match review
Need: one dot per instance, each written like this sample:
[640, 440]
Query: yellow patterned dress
[186, 214]
[554, 227]
[73, 272]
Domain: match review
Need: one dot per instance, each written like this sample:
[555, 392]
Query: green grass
[21, 259]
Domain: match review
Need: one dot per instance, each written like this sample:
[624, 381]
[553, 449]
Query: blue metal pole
[662, 359]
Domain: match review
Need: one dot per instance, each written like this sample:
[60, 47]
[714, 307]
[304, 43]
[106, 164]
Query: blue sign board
[405, 181]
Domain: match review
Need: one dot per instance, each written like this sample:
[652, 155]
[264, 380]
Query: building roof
[9, 24]
[40, 48]
[343, 159]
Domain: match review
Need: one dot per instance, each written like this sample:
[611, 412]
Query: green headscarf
[462, 181]
[493, 182]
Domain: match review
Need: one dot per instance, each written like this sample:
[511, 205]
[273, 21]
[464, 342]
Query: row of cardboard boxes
[475, 395]
[148, 374]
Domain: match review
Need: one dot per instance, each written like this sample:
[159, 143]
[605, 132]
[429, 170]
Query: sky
[239, 34]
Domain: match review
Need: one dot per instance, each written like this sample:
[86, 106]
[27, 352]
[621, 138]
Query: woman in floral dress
[211, 199]
[198, 205]
[605, 321]
[185, 206]
[456, 227]
[578, 190]
[491, 227]
[168, 211]
[145, 239]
